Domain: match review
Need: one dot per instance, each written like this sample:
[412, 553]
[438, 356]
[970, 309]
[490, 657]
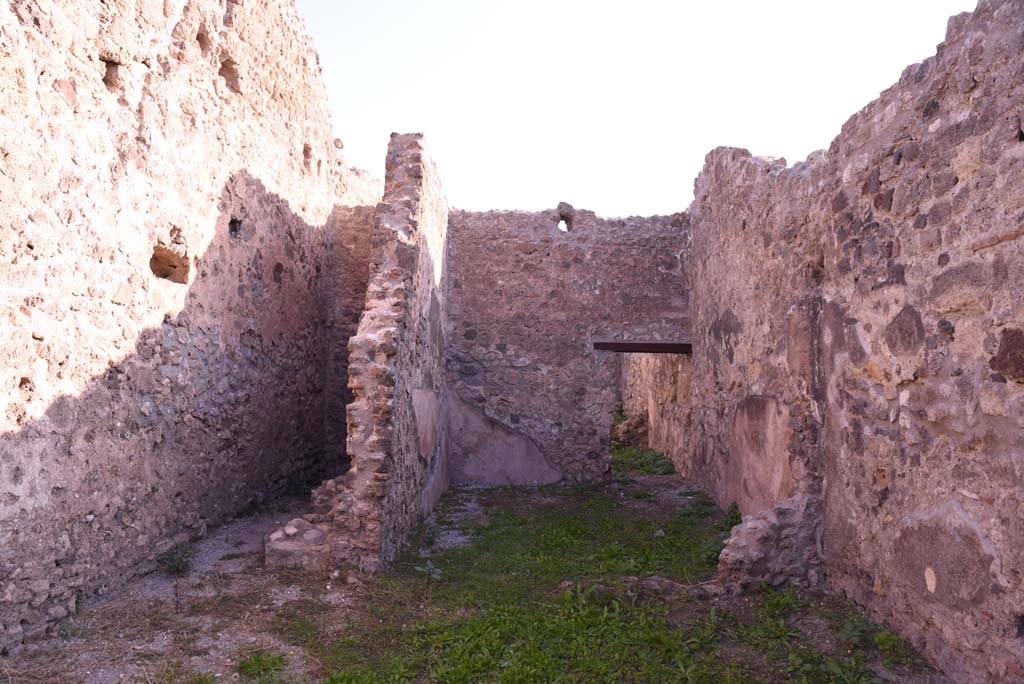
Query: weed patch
[178, 560]
[261, 666]
[299, 622]
[895, 651]
[627, 459]
[537, 598]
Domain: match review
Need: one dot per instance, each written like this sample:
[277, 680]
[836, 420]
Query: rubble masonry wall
[532, 401]
[397, 428]
[862, 311]
[168, 181]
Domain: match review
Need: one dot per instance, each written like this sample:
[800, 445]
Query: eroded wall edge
[396, 429]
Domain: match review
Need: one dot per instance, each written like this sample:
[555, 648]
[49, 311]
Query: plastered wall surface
[167, 185]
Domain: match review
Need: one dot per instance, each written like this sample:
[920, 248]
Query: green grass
[263, 667]
[538, 598]
[771, 631]
[849, 670]
[777, 604]
[178, 560]
[861, 636]
[175, 672]
[299, 622]
[626, 459]
[540, 595]
[805, 666]
[895, 651]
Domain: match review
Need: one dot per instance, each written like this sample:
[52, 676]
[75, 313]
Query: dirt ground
[202, 626]
[164, 628]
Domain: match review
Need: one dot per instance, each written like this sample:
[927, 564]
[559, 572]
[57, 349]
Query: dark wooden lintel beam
[640, 347]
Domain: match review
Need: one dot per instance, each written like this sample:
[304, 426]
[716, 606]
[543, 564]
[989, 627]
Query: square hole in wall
[169, 265]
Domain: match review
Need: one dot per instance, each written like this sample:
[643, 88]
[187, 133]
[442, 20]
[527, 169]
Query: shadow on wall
[218, 408]
[397, 420]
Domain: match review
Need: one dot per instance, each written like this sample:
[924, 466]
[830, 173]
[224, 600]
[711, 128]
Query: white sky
[610, 106]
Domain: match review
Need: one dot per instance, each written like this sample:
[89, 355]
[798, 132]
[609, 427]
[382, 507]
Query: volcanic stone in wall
[527, 301]
[397, 435]
[167, 170]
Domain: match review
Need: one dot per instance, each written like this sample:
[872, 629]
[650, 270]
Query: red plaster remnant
[1009, 360]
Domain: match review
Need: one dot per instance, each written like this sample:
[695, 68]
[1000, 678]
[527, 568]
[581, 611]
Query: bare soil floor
[552, 584]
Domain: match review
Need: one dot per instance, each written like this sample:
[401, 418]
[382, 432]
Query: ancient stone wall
[922, 356]
[733, 416]
[397, 439]
[857, 336]
[756, 269]
[165, 172]
[349, 233]
[656, 388]
[180, 299]
[531, 400]
[418, 462]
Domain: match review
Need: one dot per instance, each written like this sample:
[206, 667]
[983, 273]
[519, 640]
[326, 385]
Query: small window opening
[307, 157]
[1020, 626]
[235, 227]
[566, 217]
[229, 72]
[1020, 130]
[169, 265]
